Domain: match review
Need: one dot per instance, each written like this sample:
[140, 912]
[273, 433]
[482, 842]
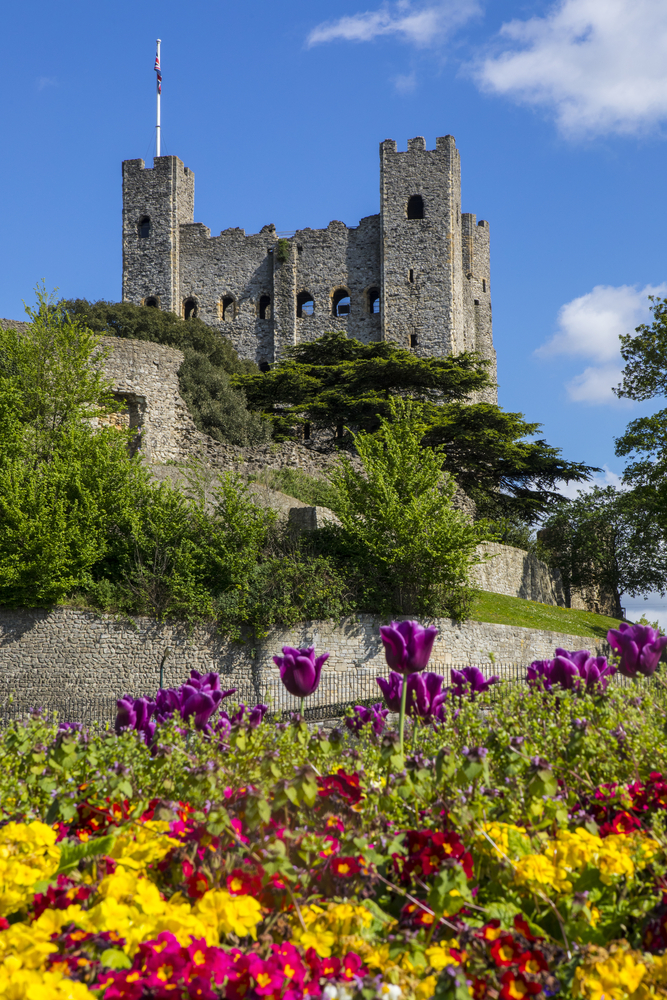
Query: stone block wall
[67, 653]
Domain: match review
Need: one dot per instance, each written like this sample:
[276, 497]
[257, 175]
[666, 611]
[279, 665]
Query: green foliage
[334, 382]
[53, 370]
[210, 360]
[606, 539]
[411, 547]
[282, 251]
[297, 483]
[341, 386]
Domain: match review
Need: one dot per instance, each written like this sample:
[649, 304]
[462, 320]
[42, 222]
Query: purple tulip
[425, 696]
[407, 646]
[569, 669]
[126, 716]
[299, 670]
[539, 674]
[256, 715]
[391, 689]
[639, 646]
[376, 715]
[471, 680]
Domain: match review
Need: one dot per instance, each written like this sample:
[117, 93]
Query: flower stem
[401, 718]
[301, 707]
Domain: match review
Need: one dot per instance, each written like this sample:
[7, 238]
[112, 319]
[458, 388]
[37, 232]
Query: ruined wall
[517, 573]
[145, 377]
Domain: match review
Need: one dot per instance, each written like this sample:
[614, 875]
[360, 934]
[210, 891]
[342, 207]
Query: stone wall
[69, 653]
[518, 574]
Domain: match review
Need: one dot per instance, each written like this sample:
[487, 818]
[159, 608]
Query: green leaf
[72, 854]
[114, 958]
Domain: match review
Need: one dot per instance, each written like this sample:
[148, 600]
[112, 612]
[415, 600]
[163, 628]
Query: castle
[417, 273]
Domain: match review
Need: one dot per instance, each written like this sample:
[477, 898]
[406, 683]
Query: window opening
[152, 302]
[373, 300]
[304, 305]
[264, 366]
[228, 307]
[416, 207]
[341, 302]
[476, 302]
[411, 276]
[265, 307]
[414, 340]
[483, 284]
[190, 309]
[306, 432]
[144, 227]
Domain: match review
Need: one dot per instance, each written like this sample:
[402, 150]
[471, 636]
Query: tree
[54, 373]
[606, 540]
[335, 382]
[412, 548]
[210, 360]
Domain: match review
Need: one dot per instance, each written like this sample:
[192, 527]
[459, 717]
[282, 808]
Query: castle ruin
[416, 274]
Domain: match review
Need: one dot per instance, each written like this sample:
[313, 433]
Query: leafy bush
[210, 359]
[299, 484]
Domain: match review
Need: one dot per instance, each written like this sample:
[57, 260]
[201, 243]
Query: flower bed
[505, 847]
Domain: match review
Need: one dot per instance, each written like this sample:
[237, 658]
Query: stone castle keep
[417, 273]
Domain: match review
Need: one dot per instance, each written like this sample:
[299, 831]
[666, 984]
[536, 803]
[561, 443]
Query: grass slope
[502, 610]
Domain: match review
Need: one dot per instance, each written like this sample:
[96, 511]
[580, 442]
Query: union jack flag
[159, 74]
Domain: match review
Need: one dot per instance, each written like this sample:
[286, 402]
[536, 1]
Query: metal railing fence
[337, 691]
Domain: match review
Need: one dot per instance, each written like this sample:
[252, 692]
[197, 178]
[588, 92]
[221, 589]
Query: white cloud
[406, 83]
[599, 65]
[607, 478]
[42, 82]
[589, 327]
[419, 24]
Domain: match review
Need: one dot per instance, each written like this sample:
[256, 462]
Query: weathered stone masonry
[417, 273]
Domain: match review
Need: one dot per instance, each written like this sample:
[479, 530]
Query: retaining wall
[66, 652]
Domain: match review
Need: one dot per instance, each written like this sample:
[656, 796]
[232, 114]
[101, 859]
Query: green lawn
[503, 610]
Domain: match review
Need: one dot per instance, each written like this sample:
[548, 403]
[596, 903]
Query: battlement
[443, 144]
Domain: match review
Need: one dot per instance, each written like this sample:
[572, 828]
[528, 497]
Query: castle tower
[156, 202]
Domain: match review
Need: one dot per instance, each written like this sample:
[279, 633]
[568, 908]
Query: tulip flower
[392, 689]
[639, 647]
[471, 680]
[407, 649]
[300, 670]
[425, 696]
[374, 714]
[569, 669]
[407, 646]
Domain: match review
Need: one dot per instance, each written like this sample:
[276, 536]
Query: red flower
[330, 967]
[246, 883]
[491, 931]
[347, 786]
[622, 823]
[352, 966]
[505, 950]
[415, 916]
[532, 962]
[268, 976]
[521, 925]
[517, 987]
[197, 885]
[478, 988]
[345, 867]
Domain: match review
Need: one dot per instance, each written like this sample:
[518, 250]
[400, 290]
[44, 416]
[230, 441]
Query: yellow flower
[28, 854]
[439, 955]
[509, 840]
[613, 974]
[230, 914]
[539, 872]
[140, 845]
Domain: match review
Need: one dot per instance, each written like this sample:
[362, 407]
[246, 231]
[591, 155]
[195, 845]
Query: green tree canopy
[335, 382]
[210, 360]
[607, 538]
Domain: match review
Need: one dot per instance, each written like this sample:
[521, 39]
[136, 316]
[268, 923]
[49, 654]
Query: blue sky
[558, 109]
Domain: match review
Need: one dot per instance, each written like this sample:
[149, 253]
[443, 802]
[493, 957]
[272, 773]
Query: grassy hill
[502, 610]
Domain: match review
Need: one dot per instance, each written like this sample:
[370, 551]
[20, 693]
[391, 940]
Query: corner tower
[156, 202]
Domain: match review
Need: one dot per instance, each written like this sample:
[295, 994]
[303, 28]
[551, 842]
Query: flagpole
[157, 126]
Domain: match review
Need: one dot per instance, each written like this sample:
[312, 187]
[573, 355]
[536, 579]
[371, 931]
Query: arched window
[414, 340]
[228, 308]
[152, 301]
[341, 302]
[265, 307]
[144, 227]
[190, 309]
[416, 207]
[373, 300]
[305, 305]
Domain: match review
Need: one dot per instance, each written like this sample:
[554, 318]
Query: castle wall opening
[340, 302]
[305, 305]
[415, 207]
